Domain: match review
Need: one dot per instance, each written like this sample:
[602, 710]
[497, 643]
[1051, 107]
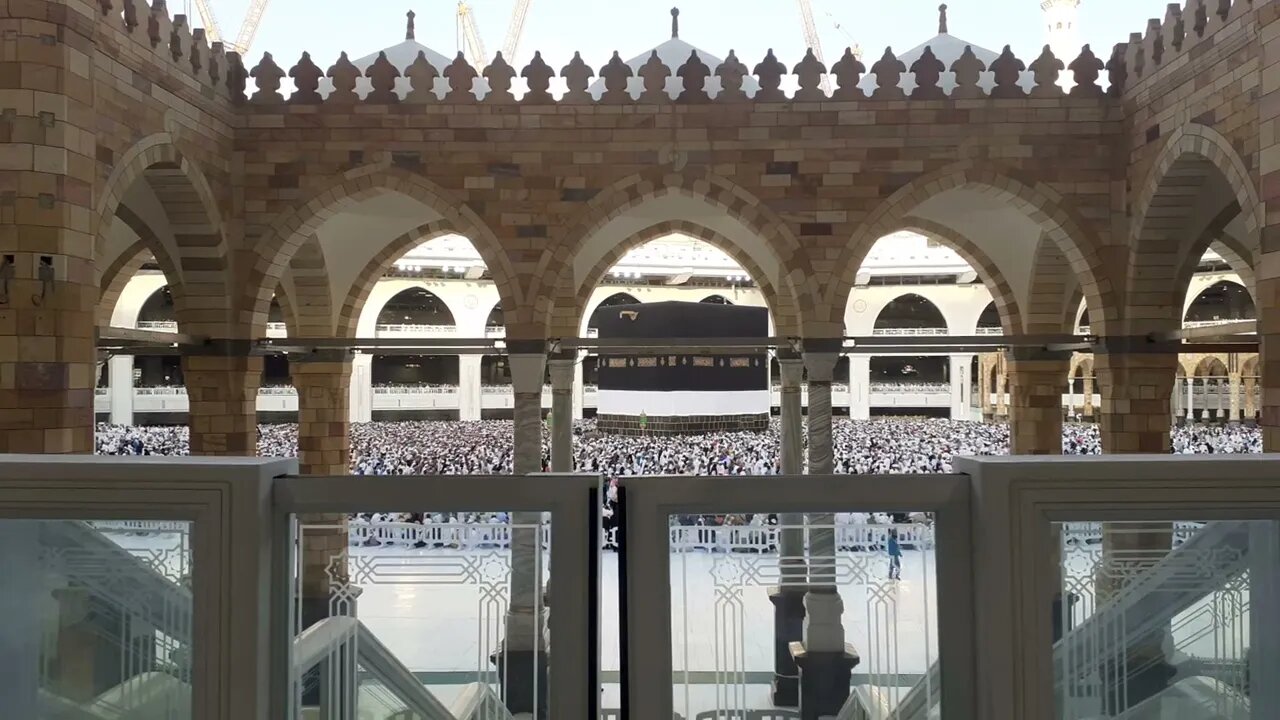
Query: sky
[596, 28]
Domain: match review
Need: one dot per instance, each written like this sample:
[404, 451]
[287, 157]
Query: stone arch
[782, 308]
[1038, 203]
[1249, 368]
[1191, 300]
[990, 274]
[1196, 186]
[879, 311]
[202, 266]
[281, 238]
[353, 306]
[697, 198]
[116, 276]
[288, 310]
[309, 290]
[421, 288]
[1055, 301]
[1211, 366]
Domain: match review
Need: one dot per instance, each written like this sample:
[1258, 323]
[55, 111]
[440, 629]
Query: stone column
[120, 382]
[1250, 406]
[525, 663]
[361, 400]
[563, 371]
[1136, 391]
[1191, 400]
[1087, 405]
[469, 394]
[959, 376]
[1036, 379]
[984, 391]
[788, 597]
[1234, 417]
[825, 661]
[1002, 390]
[48, 283]
[579, 389]
[223, 394]
[323, 381]
[859, 387]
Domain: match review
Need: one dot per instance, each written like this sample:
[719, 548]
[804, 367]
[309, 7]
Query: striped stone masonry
[223, 395]
[1036, 387]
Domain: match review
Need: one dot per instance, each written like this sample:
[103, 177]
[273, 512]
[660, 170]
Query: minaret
[1063, 37]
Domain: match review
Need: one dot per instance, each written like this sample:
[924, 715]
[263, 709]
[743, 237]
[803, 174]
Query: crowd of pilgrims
[878, 446]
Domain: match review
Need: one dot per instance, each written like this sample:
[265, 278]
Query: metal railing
[908, 331]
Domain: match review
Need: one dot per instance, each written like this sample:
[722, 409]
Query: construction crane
[248, 29]
[812, 40]
[469, 34]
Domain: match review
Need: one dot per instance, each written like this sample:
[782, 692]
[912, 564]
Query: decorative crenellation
[1183, 28]
[692, 82]
[177, 45]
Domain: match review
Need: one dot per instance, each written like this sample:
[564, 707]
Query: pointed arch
[1034, 201]
[695, 197]
[281, 237]
[988, 271]
[1197, 185]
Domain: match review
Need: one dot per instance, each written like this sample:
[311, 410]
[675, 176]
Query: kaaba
[680, 394]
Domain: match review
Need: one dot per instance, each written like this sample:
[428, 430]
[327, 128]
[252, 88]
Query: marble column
[984, 391]
[1002, 390]
[1250, 404]
[788, 596]
[959, 376]
[1087, 405]
[361, 400]
[563, 371]
[859, 387]
[469, 393]
[826, 662]
[120, 387]
[1234, 407]
[223, 395]
[524, 668]
[579, 389]
[1191, 400]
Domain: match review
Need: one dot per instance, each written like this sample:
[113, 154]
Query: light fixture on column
[45, 274]
[6, 275]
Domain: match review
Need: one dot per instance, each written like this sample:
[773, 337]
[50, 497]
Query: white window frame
[1017, 499]
[227, 500]
[650, 501]
[573, 512]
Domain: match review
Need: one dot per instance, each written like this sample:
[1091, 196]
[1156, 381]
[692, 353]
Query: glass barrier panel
[95, 619]
[1153, 620]
[422, 614]
[832, 614]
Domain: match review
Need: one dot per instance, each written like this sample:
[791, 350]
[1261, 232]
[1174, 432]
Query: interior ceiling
[361, 230]
[1002, 232]
[142, 200]
[672, 207]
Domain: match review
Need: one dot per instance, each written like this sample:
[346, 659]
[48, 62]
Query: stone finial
[809, 72]
[616, 74]
[1007, 70]
[1135, 57]
[422, 80]
[1117, 70]
[942, 19]
[217, 63]
[499, 74]
[1174, 27]
[694, 73]
[675, 23]
[888, 71]
[537, 75]
[1199, 16]
[654, 73]
[237, 76]
[1222, 10]
[306, 78]
[130, 13]
[731, 72]
[577, 78]
[928, 70]
[159, 26]
[382, 77]
[105, 6]
[344, 76]
[770, 71]
[408, 28]
[461, 77]
[199, 51]
[968, 70]
[1046, 70]
[266, 76]
[848, 72]
[179, 38]
[1086, 70]
[1154, 41]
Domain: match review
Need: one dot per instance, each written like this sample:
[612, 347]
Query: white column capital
[821, 365]
[791, 371]
[562, 373]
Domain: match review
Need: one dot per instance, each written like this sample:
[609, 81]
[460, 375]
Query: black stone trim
[822, 345]
[1027, 353]
[526, 347]
[222, 347]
